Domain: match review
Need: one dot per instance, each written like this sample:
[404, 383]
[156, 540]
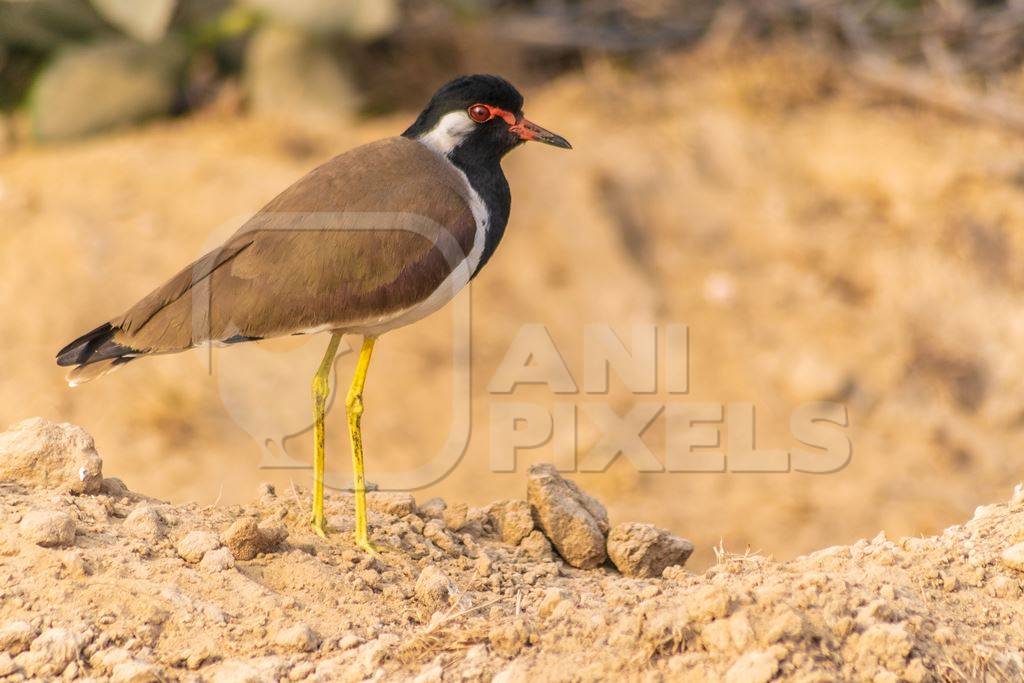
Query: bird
[372, 240]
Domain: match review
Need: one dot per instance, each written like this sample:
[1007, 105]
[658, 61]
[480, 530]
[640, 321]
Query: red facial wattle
[519, 126]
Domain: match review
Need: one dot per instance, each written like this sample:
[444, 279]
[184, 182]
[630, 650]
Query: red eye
[479, 113]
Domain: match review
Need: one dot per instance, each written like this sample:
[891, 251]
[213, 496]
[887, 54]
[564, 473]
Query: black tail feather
[93, 347]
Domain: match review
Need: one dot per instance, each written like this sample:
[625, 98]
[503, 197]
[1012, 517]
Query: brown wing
[367, 234]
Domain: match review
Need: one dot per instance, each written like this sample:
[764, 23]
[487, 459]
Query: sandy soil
[104, 583]
[821, 241]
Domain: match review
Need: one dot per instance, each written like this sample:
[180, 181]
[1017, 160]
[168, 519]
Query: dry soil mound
[100, 582]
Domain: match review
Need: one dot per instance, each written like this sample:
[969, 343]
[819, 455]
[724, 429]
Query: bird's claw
[370, 548]
[319, 527]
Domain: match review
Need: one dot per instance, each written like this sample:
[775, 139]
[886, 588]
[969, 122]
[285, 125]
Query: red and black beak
[528, 130]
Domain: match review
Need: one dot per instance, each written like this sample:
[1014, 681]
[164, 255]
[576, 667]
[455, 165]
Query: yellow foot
[374, 550]
[319, 526]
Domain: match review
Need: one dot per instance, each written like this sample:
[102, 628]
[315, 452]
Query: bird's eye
[479, 113]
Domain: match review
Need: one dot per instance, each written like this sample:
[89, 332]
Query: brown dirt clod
[644, 550]
[575, 522]
[38, 452]
[246, 539]
[48, 528]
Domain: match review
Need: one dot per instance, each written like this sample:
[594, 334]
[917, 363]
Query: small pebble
[217, 560]
[195, 544]
[433, 587]
[16, 636]
[135, 671]
[145, 522]
[298, 638]
[349, 641]
[1013, 557]
[247, 539]
[48, 528]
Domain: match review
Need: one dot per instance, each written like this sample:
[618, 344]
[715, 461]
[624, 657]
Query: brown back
[367, 234]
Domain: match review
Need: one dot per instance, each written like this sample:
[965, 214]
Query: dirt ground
[819, 239]
[101, 583]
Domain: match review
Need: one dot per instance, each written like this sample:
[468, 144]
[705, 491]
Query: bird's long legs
[354, 408]
[321, 390]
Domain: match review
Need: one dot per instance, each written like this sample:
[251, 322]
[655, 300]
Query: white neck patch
[450, 131]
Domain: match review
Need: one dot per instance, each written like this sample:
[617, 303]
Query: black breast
[487, 179]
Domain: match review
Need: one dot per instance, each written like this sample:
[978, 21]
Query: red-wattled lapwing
[374, 239]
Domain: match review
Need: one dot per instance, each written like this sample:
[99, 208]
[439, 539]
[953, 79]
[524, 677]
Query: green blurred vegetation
[75, 67]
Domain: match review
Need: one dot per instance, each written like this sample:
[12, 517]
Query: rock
[298, 637]
[293, 74]
[433, 508]
[48, 528]
[246, 539]
[1004, 587]
[145, 21]
[273, 536]
[391, 502]
[105, 660]
[16, 636]
[575, 522]
[7, 665]
[439, 536]
[349, 641]
[201, 653]
[370, 655]
[753, 667]
[112, 486]
[1013, 557]
[94, 87]
[243, 538]
[360, 19]
[644, 550]
[50, 653]
[74, 563]
[135, 671]
[483, 564]
[37, 452]
[476, 520]
[513, 519]
[537, 546]
[433, 587]
[884, 645]
[217, 560]
[254, 670]
[195, 544]
[507, 639]
[301, 671]
[454, 516]
[145, 522]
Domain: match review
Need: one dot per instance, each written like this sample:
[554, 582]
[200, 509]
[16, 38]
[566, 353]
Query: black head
[480, 116]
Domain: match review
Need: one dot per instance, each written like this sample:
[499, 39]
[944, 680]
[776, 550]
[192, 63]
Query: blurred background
[829, 194]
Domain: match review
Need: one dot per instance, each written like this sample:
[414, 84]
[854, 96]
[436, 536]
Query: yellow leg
[321, 390]
[354, 407]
